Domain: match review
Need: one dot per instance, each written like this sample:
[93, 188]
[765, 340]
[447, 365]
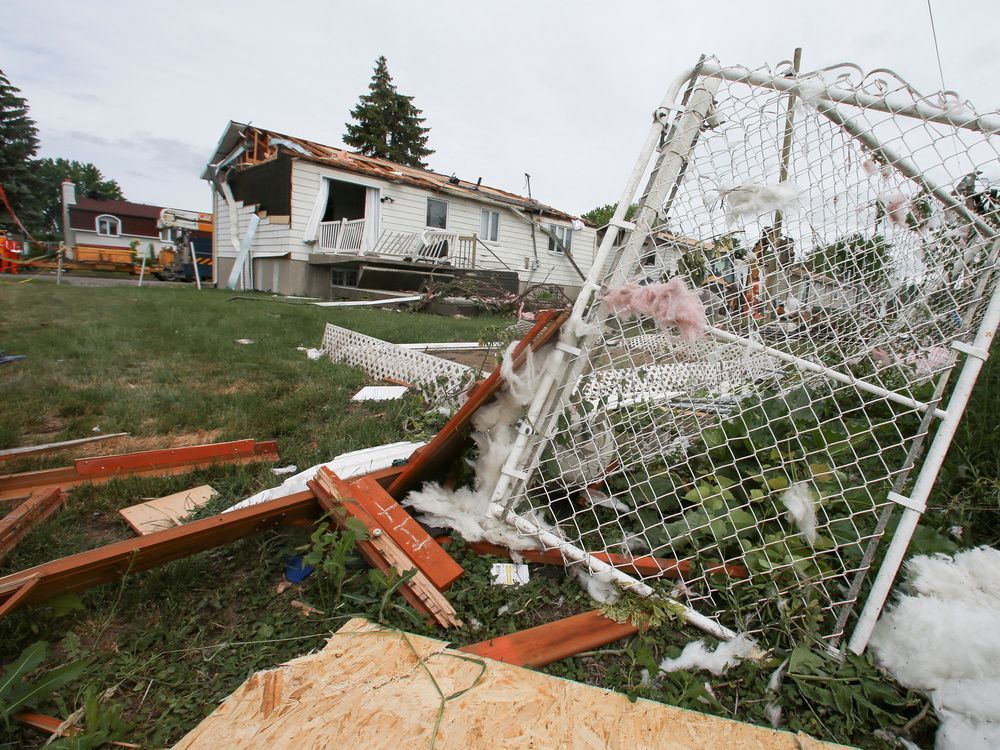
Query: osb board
[373, 688]
[166, 512]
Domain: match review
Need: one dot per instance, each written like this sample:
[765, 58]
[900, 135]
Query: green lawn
[163, 365]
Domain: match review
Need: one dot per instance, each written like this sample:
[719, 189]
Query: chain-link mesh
[839, 252]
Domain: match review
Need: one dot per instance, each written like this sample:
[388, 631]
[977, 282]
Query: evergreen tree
[89, 181]
[18, 144]
[387, 124]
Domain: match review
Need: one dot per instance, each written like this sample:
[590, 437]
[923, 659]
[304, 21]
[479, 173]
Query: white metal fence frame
[671, 140]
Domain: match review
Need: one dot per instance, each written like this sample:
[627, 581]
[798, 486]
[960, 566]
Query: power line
[937, 50]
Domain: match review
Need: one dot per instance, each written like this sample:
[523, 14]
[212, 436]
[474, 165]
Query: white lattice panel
[442, 379]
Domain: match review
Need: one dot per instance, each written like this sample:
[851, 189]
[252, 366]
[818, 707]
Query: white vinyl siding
[489, 225]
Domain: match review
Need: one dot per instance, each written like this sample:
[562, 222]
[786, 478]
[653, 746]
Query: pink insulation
[671, 305]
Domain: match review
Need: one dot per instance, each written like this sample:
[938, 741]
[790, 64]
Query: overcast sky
[562, 91]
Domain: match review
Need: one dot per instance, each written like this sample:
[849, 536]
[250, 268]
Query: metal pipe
[805, 364]
[988, 124]
[625, 581]
[925, 479]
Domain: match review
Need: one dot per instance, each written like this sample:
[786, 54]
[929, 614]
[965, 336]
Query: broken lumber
[16, 524]
[113, 561]
[536, 647]
[34, 450]
[380, 550]
[145, 463]
[166, 512]
[52, 725]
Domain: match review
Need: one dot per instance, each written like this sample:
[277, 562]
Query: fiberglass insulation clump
[943, 637]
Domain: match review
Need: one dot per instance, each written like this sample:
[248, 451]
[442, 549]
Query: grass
[162, 364]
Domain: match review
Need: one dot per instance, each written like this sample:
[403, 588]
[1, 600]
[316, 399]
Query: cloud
[167, 153]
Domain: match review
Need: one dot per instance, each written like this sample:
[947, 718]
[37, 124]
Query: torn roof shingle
[263, 145]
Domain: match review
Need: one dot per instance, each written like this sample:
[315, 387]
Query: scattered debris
[296, 571]
[282, 470]
[509, 574]
[727, 654]
[245, 341]
[166, 512]
[305, 609]
[400, 300]
[310, 353]
[380, 393]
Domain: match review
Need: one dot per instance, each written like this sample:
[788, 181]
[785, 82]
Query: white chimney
[68, 199]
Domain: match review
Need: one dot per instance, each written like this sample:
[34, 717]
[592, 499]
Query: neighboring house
[814, 290]
[315, 220]
[113, 225]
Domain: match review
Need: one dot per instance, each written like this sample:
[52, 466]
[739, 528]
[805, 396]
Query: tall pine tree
[387, 124]
[18, 144]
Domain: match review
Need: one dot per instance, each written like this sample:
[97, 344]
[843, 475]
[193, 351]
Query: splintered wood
[377, 688]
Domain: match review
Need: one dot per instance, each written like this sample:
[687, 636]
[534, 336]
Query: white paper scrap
[509, 574]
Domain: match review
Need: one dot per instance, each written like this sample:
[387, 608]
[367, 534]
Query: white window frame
[427, 210]
[169, 235]
[483, 213]
[565, 235]
[111, 220]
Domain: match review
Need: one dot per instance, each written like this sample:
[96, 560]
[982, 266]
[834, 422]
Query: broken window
[437, 213]
[109, 226]
[565, 237]
[345, 200]
[489, 225]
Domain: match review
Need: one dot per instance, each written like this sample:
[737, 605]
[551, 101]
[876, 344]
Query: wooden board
[372, 688]
[536, 647]
[166, 512]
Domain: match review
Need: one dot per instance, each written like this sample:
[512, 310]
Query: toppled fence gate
[843, 242]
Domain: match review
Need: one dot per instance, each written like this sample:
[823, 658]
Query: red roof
[118, 208]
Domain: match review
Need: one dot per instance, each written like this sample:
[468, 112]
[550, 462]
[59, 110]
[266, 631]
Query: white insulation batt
[942, 636]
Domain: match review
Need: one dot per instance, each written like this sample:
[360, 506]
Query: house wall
[407, 212]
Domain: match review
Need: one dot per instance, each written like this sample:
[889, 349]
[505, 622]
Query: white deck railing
[341, 235]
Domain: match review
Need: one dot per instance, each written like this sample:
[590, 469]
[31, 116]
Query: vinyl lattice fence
[840, 231]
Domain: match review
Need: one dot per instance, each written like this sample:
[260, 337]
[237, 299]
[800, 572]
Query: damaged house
[297, 217]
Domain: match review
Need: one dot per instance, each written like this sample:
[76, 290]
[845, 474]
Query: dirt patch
[146, 443]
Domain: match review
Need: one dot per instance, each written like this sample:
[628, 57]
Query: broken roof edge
[392, 172]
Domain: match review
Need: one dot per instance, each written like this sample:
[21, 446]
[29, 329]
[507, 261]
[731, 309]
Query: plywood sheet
[376, 688]
[166, 512]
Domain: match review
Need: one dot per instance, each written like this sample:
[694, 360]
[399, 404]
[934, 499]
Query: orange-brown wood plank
[427, 555]
[113, 561]
[16, 524]
[441, 451]
[123, 463]
[536, 647]
[145, 463]
[330, 490]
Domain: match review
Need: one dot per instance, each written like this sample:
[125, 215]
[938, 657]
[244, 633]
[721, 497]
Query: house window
[564, 235]
[489, 225]
[437, 213]
[169, 234]
[109, 226]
